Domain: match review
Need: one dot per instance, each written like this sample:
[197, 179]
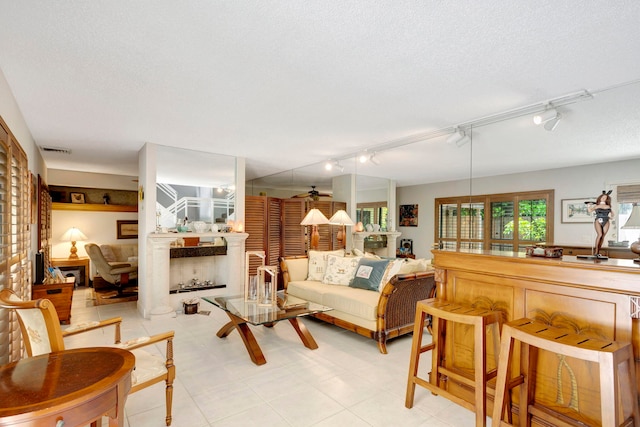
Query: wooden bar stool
[443, 312]
[617, 372]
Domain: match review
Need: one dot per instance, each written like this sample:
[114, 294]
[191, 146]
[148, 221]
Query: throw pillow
[318, 263]
[392, 269]
[108, 254]
[369, 274]
[340, 270]
[415, 265]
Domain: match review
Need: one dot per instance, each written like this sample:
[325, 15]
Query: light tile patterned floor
[345, 382]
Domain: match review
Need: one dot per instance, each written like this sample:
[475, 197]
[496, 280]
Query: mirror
[195, 185]
[372, 203]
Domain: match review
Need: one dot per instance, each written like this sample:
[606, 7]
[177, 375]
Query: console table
[595, 298]
[71, 387]
[80, 263]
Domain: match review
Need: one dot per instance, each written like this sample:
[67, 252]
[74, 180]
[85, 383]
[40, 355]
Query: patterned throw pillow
[318, 263]
[392, 269]
[369, 274]
[340, 270]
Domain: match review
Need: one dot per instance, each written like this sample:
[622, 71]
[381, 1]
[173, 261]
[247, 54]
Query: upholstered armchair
[41, 332]
[118, 274]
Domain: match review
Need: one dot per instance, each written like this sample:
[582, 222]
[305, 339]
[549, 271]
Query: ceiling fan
[312, 194]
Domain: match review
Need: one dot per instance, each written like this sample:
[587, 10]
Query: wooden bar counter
[591, 297]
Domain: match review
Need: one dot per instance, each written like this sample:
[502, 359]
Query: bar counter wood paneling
[595, 298]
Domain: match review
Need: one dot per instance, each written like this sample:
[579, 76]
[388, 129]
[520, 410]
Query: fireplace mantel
[155, 298]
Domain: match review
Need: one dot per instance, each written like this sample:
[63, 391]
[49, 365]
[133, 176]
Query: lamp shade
[314, 217]
[73, 235]
[341, 218]
[634, 218]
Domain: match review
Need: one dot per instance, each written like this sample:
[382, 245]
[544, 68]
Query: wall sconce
[73, 235]
[314, 218]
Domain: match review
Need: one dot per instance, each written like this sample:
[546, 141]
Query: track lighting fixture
[333, 164]
[545, 116]
[362, 158]
[459, 138]
[553, 123]
[374, 160]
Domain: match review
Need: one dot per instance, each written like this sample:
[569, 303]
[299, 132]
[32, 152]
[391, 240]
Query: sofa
[373, 297]
[119, 253]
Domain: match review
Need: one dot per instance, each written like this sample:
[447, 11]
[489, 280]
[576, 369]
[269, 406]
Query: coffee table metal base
[249, 339]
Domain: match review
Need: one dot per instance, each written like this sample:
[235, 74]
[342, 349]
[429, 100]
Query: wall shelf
[94, 207]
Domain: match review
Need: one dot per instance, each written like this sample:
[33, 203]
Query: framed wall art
[575, 211]
[127, 229]
[408, 216]
[77, 197]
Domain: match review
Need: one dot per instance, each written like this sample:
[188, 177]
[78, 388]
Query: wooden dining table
[65, 389]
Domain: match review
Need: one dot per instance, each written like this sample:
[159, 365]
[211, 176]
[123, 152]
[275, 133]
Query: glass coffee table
[242, 313]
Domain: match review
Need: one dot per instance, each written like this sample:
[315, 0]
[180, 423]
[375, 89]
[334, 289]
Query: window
[372, 213]
[516, 220]
[15, 271]
[627, 196]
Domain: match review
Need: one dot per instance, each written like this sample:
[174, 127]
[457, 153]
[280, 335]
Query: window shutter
[628, 193]
[15, 240]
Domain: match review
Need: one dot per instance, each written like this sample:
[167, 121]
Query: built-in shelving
[92, 207]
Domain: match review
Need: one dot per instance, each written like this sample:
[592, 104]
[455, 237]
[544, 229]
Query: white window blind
[628, 193]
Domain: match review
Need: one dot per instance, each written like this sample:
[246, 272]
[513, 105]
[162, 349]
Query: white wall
[569, 183]
[99, 227]
[12, 116]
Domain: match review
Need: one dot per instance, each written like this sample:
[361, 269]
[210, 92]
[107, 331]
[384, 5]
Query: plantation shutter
[15, 240]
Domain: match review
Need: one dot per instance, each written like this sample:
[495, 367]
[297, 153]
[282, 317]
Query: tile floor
[345, 382]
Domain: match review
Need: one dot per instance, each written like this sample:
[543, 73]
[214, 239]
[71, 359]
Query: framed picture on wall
[575, 211]
[127, 229]
[408, 215]
[77, 197]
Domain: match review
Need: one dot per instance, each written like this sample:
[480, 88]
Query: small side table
[80, 263]
[60, 295]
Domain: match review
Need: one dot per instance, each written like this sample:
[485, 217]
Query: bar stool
[617, 372]
[443, 312]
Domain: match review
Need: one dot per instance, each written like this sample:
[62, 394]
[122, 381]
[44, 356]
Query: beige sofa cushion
[298, 268]
[310, 290]
[356, 302]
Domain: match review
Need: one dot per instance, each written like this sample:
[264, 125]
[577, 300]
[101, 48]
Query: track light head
[545, 116]
[550, 125]
[374, 160]
[459, 138]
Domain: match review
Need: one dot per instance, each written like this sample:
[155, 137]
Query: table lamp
[634, 222]
[342, 219]
[73, 235]
[314, 218]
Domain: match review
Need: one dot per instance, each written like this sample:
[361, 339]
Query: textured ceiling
[288, 84]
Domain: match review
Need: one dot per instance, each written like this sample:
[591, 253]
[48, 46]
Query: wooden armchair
[42, 334]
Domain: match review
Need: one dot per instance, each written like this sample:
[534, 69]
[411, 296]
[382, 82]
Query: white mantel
[389, 251]
[154, 298]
